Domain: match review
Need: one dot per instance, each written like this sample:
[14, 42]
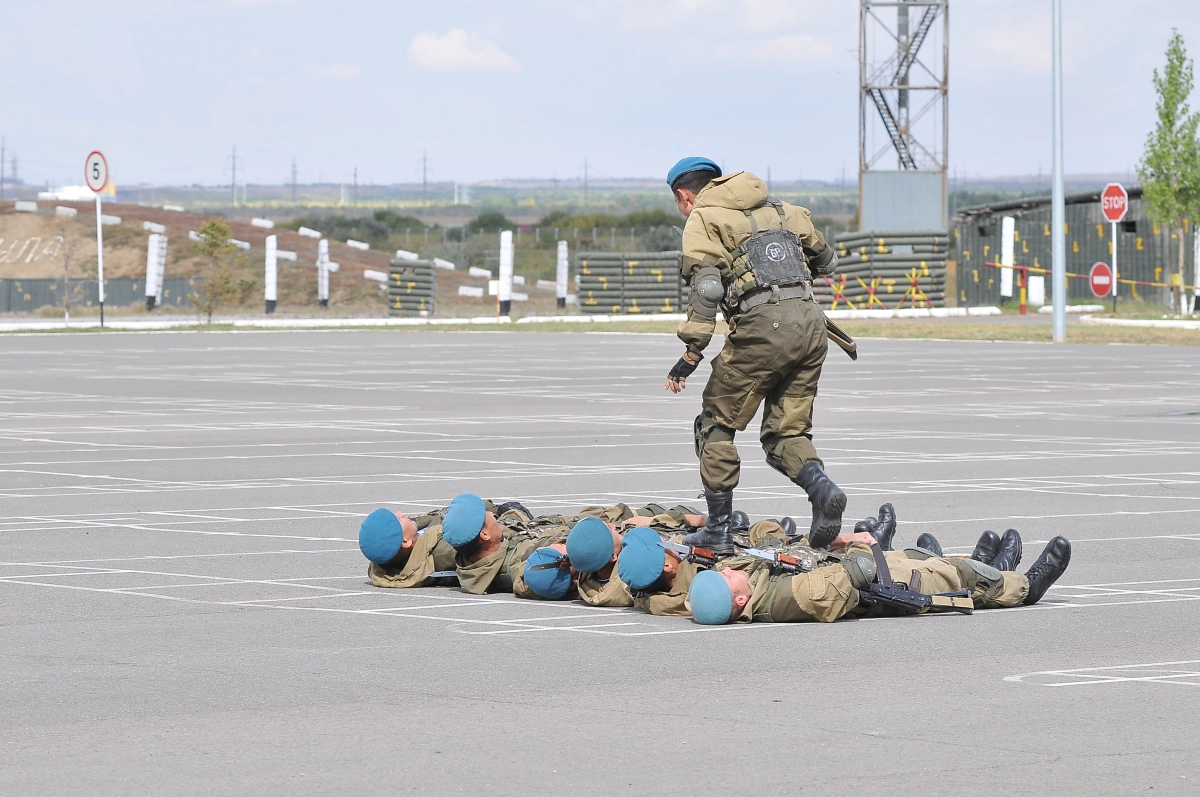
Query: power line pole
[355, 186]
[293, 178]
[424, 176]
[233, 177]
[585, 184]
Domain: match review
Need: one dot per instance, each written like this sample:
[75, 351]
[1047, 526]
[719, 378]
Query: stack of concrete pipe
[411, 287]
[629, 283]
[889, 262]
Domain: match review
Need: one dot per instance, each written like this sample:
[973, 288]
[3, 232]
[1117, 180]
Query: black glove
[685, 367]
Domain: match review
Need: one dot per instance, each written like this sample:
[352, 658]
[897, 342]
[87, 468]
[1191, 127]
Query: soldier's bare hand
[842, 540]
[675, 385]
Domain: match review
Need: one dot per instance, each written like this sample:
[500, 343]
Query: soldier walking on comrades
[753, 257]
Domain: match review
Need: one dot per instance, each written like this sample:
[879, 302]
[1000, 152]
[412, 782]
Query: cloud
[339, 71]
[458, 51]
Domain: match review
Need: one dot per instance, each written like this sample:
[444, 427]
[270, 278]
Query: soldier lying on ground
[660, 577]
[757, 592]
[411, 552]
[591, 551]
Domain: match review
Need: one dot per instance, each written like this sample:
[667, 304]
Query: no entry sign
[1114, 202]
[1101, 279]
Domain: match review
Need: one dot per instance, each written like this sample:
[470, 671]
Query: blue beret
[690, 165]
[551, 583]
[712, 602]
[641, 560]
[380, 536]
[590, 545]
[464, 520]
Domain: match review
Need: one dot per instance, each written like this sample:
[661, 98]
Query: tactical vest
[768, 260]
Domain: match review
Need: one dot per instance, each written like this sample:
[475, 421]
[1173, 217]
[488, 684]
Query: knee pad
[978, 569]
[862, 569]
[706, 431]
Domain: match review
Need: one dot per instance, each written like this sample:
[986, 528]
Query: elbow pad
[707, 292]
[824, 263]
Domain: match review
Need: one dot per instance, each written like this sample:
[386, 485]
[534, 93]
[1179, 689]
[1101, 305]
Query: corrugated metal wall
[27, 295]
[1146, 253]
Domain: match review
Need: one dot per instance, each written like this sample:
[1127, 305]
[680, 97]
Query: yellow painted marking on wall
[1139, 244]
[986, 249]
[1075, 247]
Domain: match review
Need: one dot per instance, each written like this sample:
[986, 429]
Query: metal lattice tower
[904, 65]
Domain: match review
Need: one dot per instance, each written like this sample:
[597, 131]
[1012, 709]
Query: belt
[764, 295]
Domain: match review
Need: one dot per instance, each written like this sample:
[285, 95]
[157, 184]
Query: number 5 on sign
[95, 172]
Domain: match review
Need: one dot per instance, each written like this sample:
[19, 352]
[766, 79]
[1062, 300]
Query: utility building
[1145, 254]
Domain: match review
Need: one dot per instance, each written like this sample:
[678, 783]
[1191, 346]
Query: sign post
[95, 173]
[1102, 280]
[1114, 203]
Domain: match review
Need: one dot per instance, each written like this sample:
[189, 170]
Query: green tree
[490, 220]
[220, 285]
[1170, 166]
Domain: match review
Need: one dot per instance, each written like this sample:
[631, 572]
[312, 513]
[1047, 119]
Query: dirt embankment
[31, 247]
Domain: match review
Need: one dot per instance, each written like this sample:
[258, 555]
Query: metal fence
[28, 295]
[1146, 253]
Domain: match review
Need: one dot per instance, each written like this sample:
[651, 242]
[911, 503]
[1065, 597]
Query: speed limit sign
[95, 171]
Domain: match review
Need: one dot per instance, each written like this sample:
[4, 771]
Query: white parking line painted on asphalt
[1182, 673]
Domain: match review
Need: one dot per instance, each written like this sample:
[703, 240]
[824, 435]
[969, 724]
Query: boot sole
[830, 523]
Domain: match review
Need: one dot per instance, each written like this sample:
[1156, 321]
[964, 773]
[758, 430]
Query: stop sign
[1101, 278]
[1114, 202]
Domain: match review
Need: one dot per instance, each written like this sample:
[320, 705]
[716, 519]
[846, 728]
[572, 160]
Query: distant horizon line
[604, 182]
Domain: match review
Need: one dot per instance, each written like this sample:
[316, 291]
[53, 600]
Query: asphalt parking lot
[184, 610]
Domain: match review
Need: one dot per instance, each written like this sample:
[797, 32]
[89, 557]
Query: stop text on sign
[1114, 202]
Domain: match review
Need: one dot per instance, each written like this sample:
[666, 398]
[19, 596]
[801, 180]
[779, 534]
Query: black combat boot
[739, 521]
[930, 543]
[717, 534]
[1047, 569]
[987, 548]
[828, 501]
[867, 524]
[886, 529]
[1010, 551]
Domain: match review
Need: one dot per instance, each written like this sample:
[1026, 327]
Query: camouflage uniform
[774, 351]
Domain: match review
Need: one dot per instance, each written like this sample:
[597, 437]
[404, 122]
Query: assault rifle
[908, 598]
[780, 562]
[690, 553]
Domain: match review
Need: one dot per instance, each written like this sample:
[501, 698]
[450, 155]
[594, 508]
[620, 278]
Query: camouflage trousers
[772, 356]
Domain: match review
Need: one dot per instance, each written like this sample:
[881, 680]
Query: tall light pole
[1058, 211]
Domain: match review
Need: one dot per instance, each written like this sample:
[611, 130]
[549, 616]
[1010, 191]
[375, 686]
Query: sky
[489, 89]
